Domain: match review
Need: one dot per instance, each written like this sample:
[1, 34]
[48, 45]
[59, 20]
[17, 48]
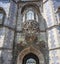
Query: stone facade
[40, 37]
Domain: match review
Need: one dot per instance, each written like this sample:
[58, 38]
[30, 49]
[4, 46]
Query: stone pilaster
[52, 25]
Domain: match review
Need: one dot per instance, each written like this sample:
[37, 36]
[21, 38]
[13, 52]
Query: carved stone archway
[28, 50]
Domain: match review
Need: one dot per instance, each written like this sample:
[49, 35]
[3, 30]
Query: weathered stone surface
[2, 36]
[11, 20]
[47, 46]
[6, 37]
[19, 20]
[8, 40]
[6, 56]
[28, 50]
[19, 37]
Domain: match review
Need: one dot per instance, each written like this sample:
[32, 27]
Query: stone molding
[28, 50]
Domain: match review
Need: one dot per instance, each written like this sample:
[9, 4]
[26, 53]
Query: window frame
[25, 14]
[30, 14]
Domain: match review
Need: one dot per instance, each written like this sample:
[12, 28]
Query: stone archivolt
[28, 50]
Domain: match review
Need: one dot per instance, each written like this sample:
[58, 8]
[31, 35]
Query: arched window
[30, 61]
[2, 15]
[30, 15]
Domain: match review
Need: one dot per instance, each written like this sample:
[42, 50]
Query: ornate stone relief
[30, 30]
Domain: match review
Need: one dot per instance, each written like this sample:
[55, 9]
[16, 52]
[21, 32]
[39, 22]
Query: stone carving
[31, 27]
[31, 30]
[31, 38]
[27, 51]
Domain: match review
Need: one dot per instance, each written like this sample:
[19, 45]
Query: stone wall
[6, 45]
[52, 31]
[11, 34]
[7, 33]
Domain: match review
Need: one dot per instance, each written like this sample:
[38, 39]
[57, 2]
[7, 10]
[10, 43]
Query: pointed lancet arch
[28, 50]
